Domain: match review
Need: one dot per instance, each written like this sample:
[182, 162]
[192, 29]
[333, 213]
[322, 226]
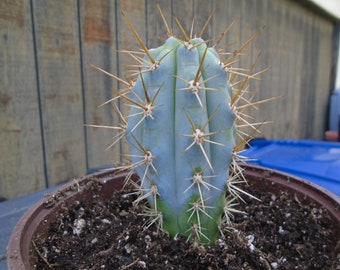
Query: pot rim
[22, 233]
[300, 185]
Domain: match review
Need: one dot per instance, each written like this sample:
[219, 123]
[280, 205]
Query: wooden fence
[49, 90]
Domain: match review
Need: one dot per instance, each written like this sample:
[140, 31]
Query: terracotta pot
[37, 218]
[332, 136]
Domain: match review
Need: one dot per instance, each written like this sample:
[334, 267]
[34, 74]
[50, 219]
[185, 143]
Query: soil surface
[277, 233]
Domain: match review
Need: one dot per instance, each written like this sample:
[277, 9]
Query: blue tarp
[316, 161]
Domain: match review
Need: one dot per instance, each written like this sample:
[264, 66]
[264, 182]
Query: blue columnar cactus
[181, 129]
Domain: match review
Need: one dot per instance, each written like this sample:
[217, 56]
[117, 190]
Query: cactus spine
[181, 129]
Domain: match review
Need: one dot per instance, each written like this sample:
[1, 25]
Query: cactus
[181, 132]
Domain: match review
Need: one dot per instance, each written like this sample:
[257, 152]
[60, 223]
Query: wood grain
[58, 64]
[98, 47]
[21, 154]
[135, 12]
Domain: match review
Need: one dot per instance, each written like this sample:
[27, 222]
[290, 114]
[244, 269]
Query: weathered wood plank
[220, 22]
[21, 158]
[202, 10]
[184, 12]
[135, 12]
[272, 53]
[294, 26]
[246, 59]
[58, 58]
[258, 14]
[308, 80]
[98, 47]
[322, 86]
[156, 31]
